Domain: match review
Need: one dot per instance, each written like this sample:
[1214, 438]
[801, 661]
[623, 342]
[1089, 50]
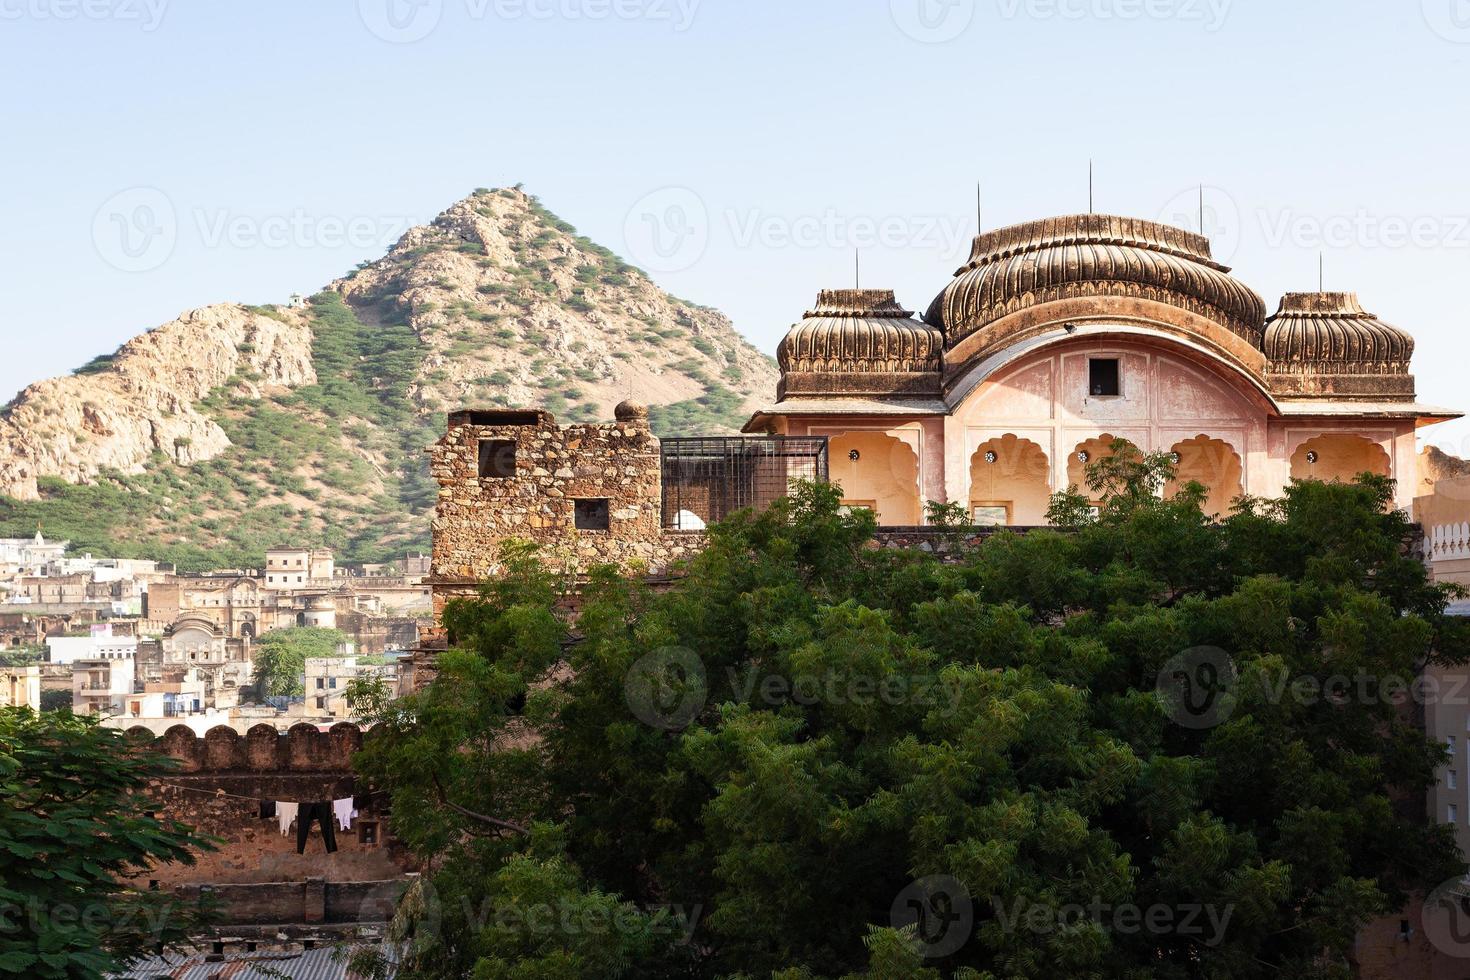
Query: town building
[101, 642]
[378, 612]
[297, 568]
[195, 645]
[20, 687]
[30, 553]
[101, 686]
[327, 680]
[175, 694]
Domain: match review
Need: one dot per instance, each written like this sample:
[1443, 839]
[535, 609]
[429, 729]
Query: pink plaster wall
[1172, 397]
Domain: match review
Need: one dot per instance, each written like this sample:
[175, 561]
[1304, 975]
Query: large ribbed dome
[860, 341]
[1326, 343]
[1090, 255]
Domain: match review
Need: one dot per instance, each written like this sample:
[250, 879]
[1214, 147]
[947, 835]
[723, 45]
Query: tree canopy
[1145, 744]
[280, 657]
[75, 833]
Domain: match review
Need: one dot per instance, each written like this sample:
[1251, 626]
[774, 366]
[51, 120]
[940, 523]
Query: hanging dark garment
[267, 809]
[318, 812]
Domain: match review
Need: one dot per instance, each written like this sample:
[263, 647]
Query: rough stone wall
[554, 467]
[216, 789]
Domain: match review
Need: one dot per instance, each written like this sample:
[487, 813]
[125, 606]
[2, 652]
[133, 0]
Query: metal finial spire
[979, 211]
[1201, 208]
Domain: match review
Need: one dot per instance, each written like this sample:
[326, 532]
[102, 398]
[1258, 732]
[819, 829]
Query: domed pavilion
[1058, 338]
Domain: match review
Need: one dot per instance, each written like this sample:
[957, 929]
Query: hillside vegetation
[235, 428]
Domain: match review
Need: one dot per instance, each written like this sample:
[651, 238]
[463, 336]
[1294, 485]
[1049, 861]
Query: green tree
[22, 656]
[55, 700]
[1092, 752]
[280, 657]
[75, 831]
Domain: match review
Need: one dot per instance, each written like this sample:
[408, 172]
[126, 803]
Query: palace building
[1062, 336]
[1056, 340]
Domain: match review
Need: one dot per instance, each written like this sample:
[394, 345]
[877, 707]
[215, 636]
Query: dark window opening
[497, 459]
[509, 416]
[592, 515]
[1103, 377]
[367, 832]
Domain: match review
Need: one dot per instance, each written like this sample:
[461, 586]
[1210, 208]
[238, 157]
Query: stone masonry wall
[216, 788]
[554, 467]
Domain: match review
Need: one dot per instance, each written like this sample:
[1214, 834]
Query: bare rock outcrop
[143, 400]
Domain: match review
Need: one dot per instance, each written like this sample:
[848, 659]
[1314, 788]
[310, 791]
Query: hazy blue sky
[164, 154]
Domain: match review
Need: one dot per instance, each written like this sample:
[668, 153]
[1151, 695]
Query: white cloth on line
[286, 815]
[342, 810]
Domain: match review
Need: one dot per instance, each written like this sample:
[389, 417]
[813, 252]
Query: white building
[31, 552]
[298, 568]
[327, 679]
[99, 645]
[101, 687]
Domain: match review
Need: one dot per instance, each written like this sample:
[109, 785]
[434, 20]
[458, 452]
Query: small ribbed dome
[1088, 255]
[1327, 344]
[631, 411]
[1328, 329]
[860, 341]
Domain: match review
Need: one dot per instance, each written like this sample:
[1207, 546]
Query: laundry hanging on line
[320, 811]
[345, 811]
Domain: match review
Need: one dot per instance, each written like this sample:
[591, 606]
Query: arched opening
[1338, 457]
[879, 473]
[1211, 463]
[1010, 483]
[1087, 453]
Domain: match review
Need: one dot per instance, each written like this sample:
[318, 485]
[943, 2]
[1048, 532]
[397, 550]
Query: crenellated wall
[217, 788]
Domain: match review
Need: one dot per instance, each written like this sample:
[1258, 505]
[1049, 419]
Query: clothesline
[237, 796]
[342, 810]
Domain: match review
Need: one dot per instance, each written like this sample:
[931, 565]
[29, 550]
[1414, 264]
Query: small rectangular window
[367, 832]
[1451, 779]
[321, 702]
[1452, 814]
[1450, 742]
[497, 459]
[1103, 377]
[592, 515]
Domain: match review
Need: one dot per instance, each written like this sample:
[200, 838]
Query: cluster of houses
[140, 645]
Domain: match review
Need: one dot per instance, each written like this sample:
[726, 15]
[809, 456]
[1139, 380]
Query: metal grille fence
[707, 480]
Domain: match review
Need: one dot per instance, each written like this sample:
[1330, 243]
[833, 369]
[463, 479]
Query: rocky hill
[232, 428]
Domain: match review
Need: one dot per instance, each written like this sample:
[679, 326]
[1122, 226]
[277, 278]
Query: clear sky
[165, 154]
